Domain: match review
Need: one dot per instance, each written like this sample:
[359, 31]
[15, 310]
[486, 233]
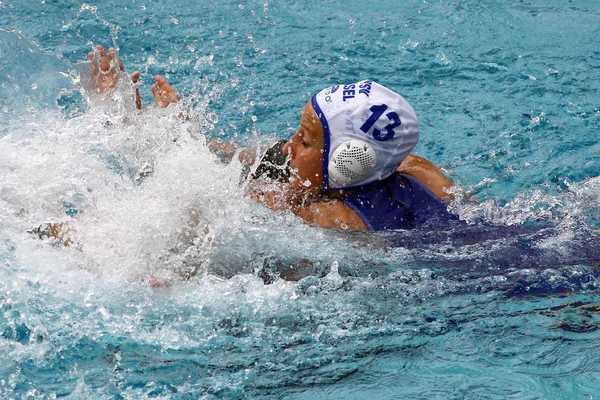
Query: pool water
[507, 306]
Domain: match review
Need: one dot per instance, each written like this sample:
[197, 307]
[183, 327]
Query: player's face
[306, 151]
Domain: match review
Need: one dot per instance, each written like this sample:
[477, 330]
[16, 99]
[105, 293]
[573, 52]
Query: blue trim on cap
[326, 141]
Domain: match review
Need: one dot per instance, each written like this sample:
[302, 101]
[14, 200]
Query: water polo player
[350, 163]
[348, 166]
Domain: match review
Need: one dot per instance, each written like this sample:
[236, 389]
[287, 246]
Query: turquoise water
[507, 307]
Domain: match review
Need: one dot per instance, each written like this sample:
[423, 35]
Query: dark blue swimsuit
[397, 202]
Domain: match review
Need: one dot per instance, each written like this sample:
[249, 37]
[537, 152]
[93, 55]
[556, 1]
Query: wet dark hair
[273, 164]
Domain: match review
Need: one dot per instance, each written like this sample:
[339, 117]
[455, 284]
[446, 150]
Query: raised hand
[104, 74]
[163, 93]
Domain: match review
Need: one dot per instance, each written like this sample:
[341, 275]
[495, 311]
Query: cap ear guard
[351, 162]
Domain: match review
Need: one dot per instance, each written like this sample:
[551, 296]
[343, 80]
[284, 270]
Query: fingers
[158, 96]
[160, 80]
[134, 78]
[106, 75]
[167, 90]
[91, 57]
[104, 63]
[111, 54]
[162, 84]
[163, 93]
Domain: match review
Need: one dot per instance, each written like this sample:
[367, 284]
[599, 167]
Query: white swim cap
[368, 131]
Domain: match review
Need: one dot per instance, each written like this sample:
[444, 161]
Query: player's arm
[428, 174]
[330, 214]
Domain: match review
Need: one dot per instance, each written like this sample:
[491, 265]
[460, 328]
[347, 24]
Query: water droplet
[212, 117]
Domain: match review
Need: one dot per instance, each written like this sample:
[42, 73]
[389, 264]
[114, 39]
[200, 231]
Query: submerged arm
[227, 150]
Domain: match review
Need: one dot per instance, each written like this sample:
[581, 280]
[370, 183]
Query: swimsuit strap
[409, 216]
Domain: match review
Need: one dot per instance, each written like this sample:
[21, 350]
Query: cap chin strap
[351, 162]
